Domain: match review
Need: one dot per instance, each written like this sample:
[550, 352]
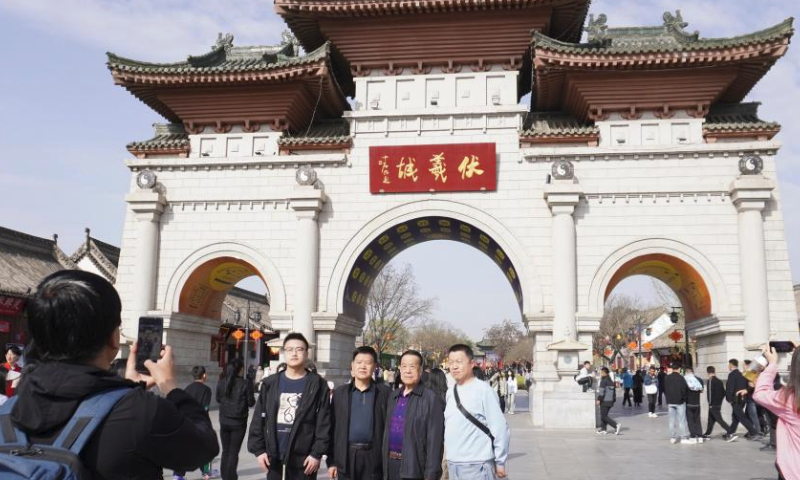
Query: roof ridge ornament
[598, 28]
[224, 42]
[288, 38]
[676, 24]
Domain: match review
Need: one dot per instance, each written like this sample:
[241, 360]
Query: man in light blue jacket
[476, 434]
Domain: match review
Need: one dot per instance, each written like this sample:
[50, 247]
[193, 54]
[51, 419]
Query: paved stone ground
[642, 450]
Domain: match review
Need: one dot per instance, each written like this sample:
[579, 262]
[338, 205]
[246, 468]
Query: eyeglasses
[291, 350]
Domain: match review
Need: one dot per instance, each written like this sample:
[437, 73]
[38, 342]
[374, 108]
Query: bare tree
[394, 304]
[665, 296]
[522, 351]
[503, 336]
[620, 314]
[433, 338]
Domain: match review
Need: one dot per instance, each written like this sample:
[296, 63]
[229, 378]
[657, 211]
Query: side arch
[523, 263]
[658, 249]
[267, 270]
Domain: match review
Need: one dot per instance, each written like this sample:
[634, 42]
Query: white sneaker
[689, 441]
[619, 427]
[673, 441]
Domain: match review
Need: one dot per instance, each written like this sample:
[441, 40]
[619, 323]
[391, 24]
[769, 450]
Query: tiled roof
[104, 256]
[737, 117]
[323, 132]
[224, 58]
[168, 136]
[557, 124]
[242, 300]
[669, 37]
[25, 260]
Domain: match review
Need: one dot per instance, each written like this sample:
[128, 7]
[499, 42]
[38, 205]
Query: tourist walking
[715, 393]
[202, 394]
[676, 392]
[502, 390]
[358, 420]
[785, 403]
[413, 440]
[735, 394]
[585, 378]
[693, 405]
[662, 375]
[627, 385]
[606, 397]
[511, 388]
[651, 388]
[74, 323]
[235, 396]
[638, 383]
[476, 449]
[290, 431]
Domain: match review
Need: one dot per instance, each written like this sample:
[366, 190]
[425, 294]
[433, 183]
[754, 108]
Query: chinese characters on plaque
[433, 168]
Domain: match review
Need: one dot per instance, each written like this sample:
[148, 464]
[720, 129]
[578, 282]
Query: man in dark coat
[291, 422]
[715, 395]
[74, 319]
[358, 420]
[735, 394]
[413, 441]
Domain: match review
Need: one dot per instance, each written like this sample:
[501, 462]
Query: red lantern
[256, 335]
[633, 345]
[608, 351]
[676, 336]
[238, 335]
[647, 346]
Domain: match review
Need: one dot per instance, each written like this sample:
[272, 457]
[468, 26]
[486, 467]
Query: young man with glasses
[290, 431]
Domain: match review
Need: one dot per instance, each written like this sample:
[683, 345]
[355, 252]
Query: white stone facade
[651, 187]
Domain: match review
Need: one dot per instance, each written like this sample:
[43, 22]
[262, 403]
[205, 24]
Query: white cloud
[152, 30]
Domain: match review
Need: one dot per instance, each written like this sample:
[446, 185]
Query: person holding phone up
[74, 321]
[785, 403]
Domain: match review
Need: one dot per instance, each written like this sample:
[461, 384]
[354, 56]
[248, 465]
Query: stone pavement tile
[641, 451]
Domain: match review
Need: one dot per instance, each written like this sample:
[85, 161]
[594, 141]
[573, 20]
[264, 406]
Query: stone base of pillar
[718, 340]
[336, 340]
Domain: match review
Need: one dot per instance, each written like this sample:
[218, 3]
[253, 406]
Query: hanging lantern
[647, 345]
[608, 351]
[256, 335]
[676, 336]
[238, 335]
[633, 345]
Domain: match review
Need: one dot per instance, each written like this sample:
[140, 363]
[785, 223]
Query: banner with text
[459, 167]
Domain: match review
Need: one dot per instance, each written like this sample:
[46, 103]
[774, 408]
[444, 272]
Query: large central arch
[397, 229]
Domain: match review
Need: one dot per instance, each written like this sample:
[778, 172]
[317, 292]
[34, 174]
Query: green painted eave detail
[169, 135]
[556, 124]
[331, 132]
[736, 117]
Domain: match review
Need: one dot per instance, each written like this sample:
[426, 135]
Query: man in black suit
[715, 394]
[736, 393]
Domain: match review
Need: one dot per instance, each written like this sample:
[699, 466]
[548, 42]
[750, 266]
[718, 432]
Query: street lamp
[256, 317]
[674, 317]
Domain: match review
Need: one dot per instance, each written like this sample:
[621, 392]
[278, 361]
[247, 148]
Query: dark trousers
[605, 420]
[651, 402]
[715, 416]
[693, 421]
[231, 437]
[773, 428]
[292, 473]
[361, 465]
[660, 396]
[626, 397]
[393, 467]
[740, 416]
[586, 383]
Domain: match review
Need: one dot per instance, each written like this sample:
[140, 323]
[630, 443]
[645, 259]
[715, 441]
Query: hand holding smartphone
[149, 341]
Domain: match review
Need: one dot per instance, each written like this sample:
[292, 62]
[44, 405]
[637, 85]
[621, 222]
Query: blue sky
[64, 125]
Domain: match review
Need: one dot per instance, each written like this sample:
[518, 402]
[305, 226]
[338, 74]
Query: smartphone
[782, 346]
[149, 341]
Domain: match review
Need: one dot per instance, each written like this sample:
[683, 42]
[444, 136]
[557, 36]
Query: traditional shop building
[635, 156]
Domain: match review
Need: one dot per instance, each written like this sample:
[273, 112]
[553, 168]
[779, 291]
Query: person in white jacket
[511, 388]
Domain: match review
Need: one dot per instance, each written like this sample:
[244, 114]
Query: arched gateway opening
[230, 297]
[388, 244]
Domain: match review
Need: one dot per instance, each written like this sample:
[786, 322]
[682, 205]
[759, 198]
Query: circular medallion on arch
[306, 175]
[751, 164]
[412, 232]
[563, 170]
[146, 179]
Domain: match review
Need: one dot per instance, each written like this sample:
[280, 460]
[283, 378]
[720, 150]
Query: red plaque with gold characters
[461, 167]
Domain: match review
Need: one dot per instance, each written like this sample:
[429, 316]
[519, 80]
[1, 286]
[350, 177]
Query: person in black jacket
[235, 397]
[676, 392]
[74, 321]
[715, 395]
[290, 431]
[413, 440]
[358, 419]
[735, 393]
[202, 394]
[606, 396]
